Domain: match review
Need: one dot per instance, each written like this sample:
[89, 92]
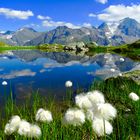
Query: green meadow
[126, 125]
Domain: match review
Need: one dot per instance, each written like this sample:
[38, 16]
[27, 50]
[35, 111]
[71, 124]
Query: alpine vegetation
[133, 96]
[83, 101]
[68, 84]
[13, 125]
[24, 128]
[95, 109]
[4, 83]
[96, 97]
[74, 117]
[101, 127]
[105, 111]
[89, 115]
[29, 130]
[35, 131]
[43, 115]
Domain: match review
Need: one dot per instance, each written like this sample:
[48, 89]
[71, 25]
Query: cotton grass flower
[68, 84]
[83, 101]
[102, 127]
[43, 115]
[96, 97]
[133, 96]
[89, 115]
[74, 117]
[105, 111]
[29, 130]
[13, 125]
[35, 131]
[24, 128]
[4, 83]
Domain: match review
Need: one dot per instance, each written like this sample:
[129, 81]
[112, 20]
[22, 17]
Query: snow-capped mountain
[115, 33]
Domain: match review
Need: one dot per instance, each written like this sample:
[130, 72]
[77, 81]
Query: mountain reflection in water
[29, 71]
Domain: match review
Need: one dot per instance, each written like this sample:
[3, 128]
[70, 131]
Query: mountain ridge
[124, 32]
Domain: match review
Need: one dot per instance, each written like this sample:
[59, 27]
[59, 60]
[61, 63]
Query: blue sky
[47, 14]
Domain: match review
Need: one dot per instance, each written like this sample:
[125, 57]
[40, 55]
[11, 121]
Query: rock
[77, 46]
[134, 75]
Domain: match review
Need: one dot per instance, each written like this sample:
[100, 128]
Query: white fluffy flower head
[133, 96]
[74, 117]
[24, 128]
[4, 83]
[68, 84]
[96, 97]
[13, 125]
[102, 127]
[105, 111]
[83, 101]
[89, 115]
[35, 131]
[44, 115]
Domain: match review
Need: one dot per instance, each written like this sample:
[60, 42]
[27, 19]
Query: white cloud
[88, 25]
[53, 24]
[92, 15]
[102, 1]
[32, 25]
[15, 74]
[115, 13]
[43, 17]
[10, 13]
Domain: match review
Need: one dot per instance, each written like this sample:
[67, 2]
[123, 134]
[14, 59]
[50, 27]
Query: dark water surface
[29, 71]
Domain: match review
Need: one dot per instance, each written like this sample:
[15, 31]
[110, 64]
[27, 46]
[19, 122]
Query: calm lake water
[29, 71]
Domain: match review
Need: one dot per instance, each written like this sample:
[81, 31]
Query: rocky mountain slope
[124, 32]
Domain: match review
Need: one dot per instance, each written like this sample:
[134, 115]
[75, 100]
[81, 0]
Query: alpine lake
[28, 71]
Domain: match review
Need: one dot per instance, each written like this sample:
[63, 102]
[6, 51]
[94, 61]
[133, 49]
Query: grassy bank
[17, 48]
[126, 125]
[129, 50]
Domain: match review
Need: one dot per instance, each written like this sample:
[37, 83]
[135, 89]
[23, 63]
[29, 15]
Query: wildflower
[44, 115]
[68, 84]
[29, 130]
[89, 115]
[133, 96]
[83, 101]
[106, 111]
[13, 125]
[8, 129]
[24, 128]
[74, 117]
[112, 70]
[4, 83]
[102, 127]
[122, 59]
[35, 131]
[96, 97]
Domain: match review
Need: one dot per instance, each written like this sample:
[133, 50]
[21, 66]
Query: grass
[43, 47]
[17, 48]
[116, 91]
[128, 50]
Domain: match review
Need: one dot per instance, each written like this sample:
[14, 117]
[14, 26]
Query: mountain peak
[62, 27]
[129, 21]
[26, 28]
[104, 27]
